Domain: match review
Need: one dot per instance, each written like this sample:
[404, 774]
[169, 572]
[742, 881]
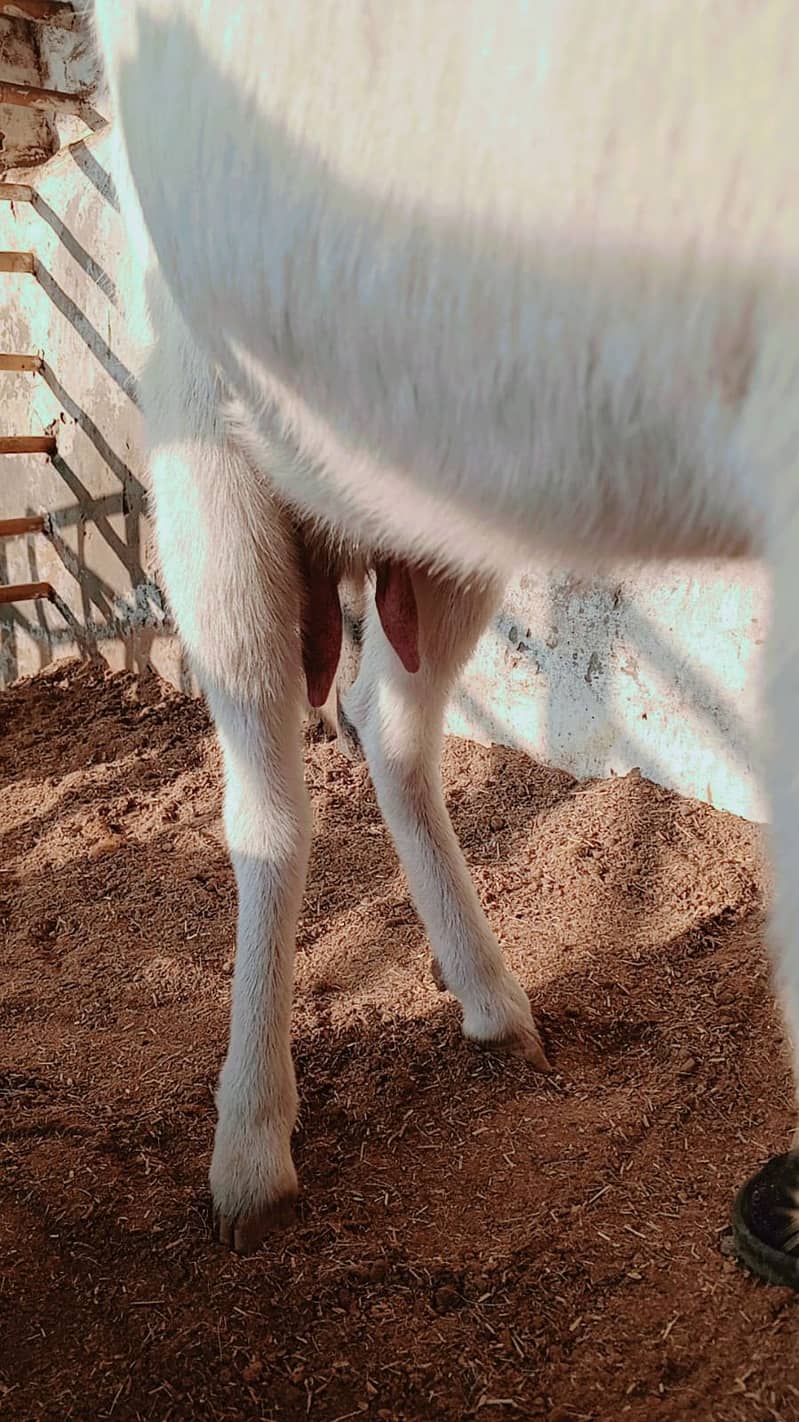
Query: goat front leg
[399, 718]
[766, 1211]
[229, 563]
[253, 1181]
[784, 773]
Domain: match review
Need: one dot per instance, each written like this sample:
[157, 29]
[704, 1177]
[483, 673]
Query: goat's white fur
[465, 283]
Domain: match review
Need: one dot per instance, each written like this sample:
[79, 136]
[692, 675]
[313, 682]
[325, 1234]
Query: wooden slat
[46, 11]
[24, 592]
[12, 527]
[27, 444]
[20, 362]
[16, 192]
[28, 96]
[16, 261]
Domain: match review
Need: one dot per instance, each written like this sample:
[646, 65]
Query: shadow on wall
[97, 538]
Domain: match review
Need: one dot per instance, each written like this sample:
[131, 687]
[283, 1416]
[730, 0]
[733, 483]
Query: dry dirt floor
[473, 1240]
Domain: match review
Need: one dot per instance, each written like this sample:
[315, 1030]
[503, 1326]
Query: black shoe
[765, 1221]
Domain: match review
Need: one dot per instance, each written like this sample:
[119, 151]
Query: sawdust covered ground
[473, 1240]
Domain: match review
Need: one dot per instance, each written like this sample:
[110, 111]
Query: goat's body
[592, 219]
[463, 283]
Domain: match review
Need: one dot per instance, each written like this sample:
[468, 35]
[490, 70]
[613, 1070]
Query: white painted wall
[655, 667]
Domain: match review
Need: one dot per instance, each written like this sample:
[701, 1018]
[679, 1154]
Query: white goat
[441, 286]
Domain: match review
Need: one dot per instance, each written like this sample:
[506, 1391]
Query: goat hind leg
[399, 719]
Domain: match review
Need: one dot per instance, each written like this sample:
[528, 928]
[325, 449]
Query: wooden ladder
[22, 444]
[63, 15]
[48, 12]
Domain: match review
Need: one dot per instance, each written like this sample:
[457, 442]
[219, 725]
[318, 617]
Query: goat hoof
[530, 1045]
[247, 1233]
[505, 1024]
[524, 1041]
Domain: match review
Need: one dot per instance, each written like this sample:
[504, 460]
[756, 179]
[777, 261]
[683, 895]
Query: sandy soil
[473, 1239]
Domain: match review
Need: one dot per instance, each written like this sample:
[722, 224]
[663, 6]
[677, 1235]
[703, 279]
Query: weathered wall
[98, 553]
[657, 668]
[72, 312]
[26, 136]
